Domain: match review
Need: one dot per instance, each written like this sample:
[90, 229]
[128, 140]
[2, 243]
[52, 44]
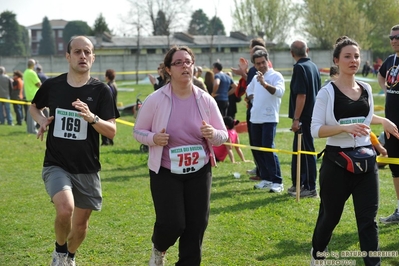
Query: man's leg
[80, 223]
[64, 206]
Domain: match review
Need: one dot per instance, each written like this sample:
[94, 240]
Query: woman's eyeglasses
[396, 37]
[180, 63]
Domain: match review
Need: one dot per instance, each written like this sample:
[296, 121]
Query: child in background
[222, 151]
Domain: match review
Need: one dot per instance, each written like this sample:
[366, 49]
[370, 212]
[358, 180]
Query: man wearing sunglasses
[388, 79]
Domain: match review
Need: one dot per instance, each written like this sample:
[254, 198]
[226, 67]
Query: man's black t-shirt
[72, 143]
[390, 71]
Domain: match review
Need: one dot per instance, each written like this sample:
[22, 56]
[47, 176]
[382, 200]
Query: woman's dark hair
[340, 43]
[110, 74]
[169, 55]
[230, 122]
[18, 73]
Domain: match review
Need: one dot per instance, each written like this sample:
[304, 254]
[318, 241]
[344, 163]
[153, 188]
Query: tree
[172, 9]
[199, 24]
[270, 19]
[11, 36]
[100, 25]
[74, 28]
[161, 24]
[216, 26]
[380, 23]
[326, 20]
[135, 19]
[47, 43]
[25, 39]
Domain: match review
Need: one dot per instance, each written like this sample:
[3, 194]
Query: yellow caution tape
[380, 159]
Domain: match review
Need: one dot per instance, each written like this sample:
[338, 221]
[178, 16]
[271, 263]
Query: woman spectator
[209, 78]
[18, 95]
[180, 123]
[160, 80]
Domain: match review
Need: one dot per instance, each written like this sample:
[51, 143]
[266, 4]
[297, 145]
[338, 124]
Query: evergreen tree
[47, 43]
[161, 23]
[10, 35]
[199, 24]
[74, 28]
[100, 25]
[216, 26]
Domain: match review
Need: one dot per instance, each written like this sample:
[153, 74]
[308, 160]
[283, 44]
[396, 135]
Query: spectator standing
[160, 80]
[233, 100]
[247, 76]
[388, 79]
[40, 73]
[265, 91]
[31, 85]
[5, 93]
[180, 121]
[343, 112]
[71, 162]
[305, 83]
[199, 74]
[222, 84]
[209, 79]
[18, 95]
[200, 84]
[366, 69]
[110, 80]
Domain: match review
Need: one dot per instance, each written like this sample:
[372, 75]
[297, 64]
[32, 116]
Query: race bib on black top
[68, 124]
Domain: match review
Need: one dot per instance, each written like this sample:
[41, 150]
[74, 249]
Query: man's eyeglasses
[396, 37]
[180, 63]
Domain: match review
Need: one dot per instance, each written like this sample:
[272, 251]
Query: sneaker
[59, 259]
[277, 188]
[252, 171]
[255, 178]
[392, 219]
[70, 261]
[293, 190]
[264, 184]
[306, 193]
[313, 260]
[157, 258]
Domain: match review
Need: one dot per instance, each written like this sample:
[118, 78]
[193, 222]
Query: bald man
[305, 83]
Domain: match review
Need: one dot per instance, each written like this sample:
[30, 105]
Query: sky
[30, 12]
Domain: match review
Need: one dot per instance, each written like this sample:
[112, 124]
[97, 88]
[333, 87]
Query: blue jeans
[267, 162]
[18, 113]
[308, 162]
[6, 107]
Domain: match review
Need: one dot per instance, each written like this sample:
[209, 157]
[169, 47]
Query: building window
[234, 49]
[133, 51]
[60, 46]
[38, 35]
[60, 34]
[205, 50]
[151, 51]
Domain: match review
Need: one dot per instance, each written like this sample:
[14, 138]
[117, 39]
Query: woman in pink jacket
[179, 123]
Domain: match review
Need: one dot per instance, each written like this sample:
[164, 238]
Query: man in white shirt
[265, 92]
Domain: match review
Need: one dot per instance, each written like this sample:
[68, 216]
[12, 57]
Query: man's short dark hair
[218, 66]
[260, 53]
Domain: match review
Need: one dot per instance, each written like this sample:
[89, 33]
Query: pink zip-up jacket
[154, 115]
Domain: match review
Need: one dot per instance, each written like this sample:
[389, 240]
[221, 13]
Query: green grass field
[246, 226]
